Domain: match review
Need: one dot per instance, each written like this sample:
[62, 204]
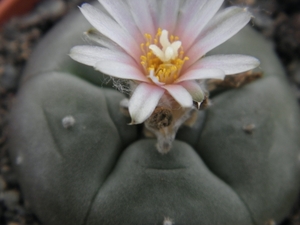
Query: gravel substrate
[278, 20]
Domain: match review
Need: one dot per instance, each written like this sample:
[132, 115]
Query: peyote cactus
[79, 162]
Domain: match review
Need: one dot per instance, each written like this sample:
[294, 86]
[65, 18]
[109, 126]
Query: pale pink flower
[160, 46]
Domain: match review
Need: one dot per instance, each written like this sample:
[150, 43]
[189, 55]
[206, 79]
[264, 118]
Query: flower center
[162, 57]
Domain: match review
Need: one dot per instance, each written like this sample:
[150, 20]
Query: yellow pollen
[166, 70]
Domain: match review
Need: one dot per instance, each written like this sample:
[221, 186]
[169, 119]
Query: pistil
[162, 57]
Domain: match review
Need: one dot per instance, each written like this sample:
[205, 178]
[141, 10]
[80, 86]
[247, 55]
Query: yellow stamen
[166, 70]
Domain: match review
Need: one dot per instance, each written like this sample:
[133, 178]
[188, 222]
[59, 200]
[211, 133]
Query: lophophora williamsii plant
[219, 155]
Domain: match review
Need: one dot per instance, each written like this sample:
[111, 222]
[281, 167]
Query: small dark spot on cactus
[249, 128]
[160, 118]
[68, 122]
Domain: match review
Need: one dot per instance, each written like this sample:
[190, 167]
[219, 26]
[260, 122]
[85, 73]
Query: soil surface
[278, 20]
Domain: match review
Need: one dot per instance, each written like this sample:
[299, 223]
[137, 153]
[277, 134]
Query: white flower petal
[121, 70]
[154, 7]
[142, 16]
[180, 94]
[199, 21]
[95, 36]
[230, 64]
[200, 74]
[120, 11]
[108, 27]
[187, 14]
[222, 27]
[194, 89]
[91, 55]
[154, 78]
[168, 14]
[143, 101]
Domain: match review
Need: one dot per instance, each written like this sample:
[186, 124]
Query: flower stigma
[162, 58]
